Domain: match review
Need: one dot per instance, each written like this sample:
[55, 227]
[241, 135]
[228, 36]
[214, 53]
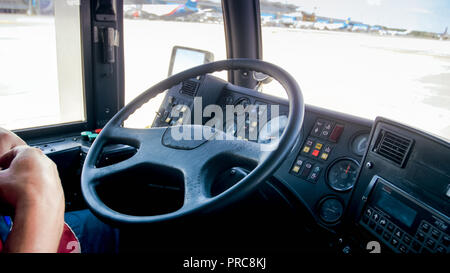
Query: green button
[92, 137]
[85, 135]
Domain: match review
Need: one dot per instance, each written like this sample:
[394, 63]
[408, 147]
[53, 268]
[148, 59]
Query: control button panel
[316, 149]
[427, 238]
[173, 106]
[306, 169]
[327, 130]
[322, 138]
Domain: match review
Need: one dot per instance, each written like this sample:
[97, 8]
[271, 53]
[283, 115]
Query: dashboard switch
[92, 137]
[317, 129]
[315, 174]
[315, 153]
[338, 129]
[295, 169]
[324, 156]
[309, 142]
[306, 170]
[297, 166]
[327, 127]
[85, 135]
[306, 149]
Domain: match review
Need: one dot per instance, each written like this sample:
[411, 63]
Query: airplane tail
[191, 4]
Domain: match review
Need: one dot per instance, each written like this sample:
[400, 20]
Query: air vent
[393, 147]
[189, 88]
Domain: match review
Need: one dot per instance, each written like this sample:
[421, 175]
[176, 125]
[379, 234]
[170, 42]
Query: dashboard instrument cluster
[332, 169]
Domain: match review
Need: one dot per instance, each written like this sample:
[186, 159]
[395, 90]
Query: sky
[423, 15]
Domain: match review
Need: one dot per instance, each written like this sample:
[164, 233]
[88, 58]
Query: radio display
[396, 209]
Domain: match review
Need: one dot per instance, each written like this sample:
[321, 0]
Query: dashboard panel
[403, 192]
[320, 171]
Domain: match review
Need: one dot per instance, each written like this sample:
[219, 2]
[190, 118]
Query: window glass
[151, 30]
[41, 74]
[365, 57]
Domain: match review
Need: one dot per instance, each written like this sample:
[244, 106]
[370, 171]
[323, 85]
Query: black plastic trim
[243, 36]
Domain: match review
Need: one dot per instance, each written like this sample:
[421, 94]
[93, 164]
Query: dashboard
[361, 179]
[321, 170]
[402, 195]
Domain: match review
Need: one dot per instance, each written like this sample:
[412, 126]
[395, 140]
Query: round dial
[331, 210]
[342, 174]
[359, 144]
[273, 129]
[231, 127]
[242, 101]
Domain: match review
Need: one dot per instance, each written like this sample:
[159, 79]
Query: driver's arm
[30, 184]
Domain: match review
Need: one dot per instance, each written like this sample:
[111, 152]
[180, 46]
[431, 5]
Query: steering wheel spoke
[194, 190]
[100, 174]
[131, 136]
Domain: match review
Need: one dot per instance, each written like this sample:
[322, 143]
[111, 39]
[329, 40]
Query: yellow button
[296, 168]
[324, 156]
[306, 149]
[319, 146]
[168, 120]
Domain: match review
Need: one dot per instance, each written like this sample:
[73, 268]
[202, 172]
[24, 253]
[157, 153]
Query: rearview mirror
[184, 57]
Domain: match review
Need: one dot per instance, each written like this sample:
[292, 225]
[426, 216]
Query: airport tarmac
[406, 79]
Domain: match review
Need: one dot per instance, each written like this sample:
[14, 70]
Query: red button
[315, 153]
[97, 131]
[336, 132]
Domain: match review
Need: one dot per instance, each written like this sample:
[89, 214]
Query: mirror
[184, 57]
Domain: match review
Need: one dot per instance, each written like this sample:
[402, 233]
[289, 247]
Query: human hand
[9, 140]
[29, 183]
[29, 178]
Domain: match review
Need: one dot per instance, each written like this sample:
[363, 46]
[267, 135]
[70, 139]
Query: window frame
[88, 76]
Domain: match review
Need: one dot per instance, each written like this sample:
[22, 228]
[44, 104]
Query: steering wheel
[157, 146]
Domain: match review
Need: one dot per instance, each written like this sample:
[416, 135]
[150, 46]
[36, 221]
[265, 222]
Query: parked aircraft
[162, 11]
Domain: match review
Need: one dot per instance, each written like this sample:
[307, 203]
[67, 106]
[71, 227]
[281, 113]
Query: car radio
[402, 222]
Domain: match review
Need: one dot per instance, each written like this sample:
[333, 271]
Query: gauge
[273, 129]
[359, 144]
[331, 210]
[231, 127]
[342, 174]
[242, 101]
[235, 128]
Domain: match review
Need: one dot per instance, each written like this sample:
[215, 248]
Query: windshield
[365, 57]
[151, 30]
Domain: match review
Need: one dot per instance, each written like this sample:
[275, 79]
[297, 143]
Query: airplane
[287, 20]
[357, 27]
[304, 24]
[336, 26]
[166, 11]
[320, 24]
[399, 33]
